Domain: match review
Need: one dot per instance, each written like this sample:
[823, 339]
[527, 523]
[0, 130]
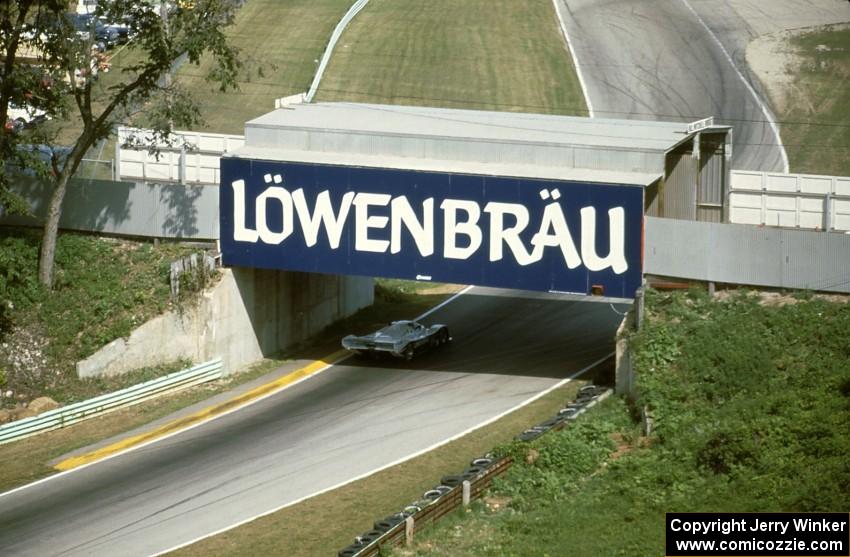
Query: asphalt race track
[656, 59]
[342, 423]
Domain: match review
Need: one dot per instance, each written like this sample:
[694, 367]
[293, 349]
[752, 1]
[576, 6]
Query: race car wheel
[408, 353]
[444, 336]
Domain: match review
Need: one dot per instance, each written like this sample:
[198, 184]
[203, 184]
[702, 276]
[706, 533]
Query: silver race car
[402, 339]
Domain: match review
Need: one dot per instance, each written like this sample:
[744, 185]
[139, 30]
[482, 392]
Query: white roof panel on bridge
[443, 139]
[513, 127]
[460, 167]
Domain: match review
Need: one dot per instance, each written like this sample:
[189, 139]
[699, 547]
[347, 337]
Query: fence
[188, 158]
[126, 208]
[452, 493]
[790, 200]
[75, 413]
[751, 255]
[432, 513]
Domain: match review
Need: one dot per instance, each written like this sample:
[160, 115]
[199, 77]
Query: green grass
[817, 111]
[103, 289]
[751, 413]
[281, 43]
[483, 54]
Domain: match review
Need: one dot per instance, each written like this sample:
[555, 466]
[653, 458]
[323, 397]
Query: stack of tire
[570, 412]
[447, 483]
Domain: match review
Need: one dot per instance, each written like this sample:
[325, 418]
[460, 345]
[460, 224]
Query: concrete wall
[249, 314]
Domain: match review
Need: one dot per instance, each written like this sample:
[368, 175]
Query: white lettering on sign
[462, 230]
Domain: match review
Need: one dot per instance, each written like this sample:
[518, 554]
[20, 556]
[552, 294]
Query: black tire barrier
[473, 472]
[529, 435]
[388, 523]
[565, 412]
[452, 481]
[483, 461]
[417, 506]
[434, 494]
[370, 536]
[549, 424]
[351, 550]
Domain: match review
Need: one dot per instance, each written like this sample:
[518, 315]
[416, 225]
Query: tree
[64, 82]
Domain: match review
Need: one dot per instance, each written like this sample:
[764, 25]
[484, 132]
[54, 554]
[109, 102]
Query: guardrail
[77, 412]
[340, 27]
[400, 528]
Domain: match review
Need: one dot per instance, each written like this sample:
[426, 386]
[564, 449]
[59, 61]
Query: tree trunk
[51, 231]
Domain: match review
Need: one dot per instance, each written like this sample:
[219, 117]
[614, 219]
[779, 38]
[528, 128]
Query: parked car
[85, 24]
[19, 118]
[402, 339]
[121, 29]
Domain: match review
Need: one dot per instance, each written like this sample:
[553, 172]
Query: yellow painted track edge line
[203, 415]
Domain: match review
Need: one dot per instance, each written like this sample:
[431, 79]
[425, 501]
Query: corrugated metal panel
[711, 192]
[679, 194]
[752, 255]
[815, 260]
[651, 200]
[675, 249]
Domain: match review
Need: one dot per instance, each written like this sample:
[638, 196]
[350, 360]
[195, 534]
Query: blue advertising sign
[522, 233]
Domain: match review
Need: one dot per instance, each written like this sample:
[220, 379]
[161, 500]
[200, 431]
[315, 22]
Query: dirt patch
[778, 299]
[443, 289]
[773, 59]
[496, 503]
[624, 446]
[776, 62]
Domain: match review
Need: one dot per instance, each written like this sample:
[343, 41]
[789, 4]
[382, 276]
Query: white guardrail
[340, 27]
[77, 412]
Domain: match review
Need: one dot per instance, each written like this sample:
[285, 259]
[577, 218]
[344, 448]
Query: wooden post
[408, 531]
[466, 492]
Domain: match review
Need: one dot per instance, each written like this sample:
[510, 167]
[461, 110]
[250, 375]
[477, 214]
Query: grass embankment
[816, 110]
[481, 54]
[751, 406]
[103, 289]
[281, 44]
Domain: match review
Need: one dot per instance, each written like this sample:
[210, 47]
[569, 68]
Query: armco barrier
[443, 499]
[77, 412]
[337, 33]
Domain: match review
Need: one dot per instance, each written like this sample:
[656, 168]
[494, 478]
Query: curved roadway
[347, 421]
[660, 59]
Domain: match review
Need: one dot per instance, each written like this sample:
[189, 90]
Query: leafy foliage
[65, 84]
[103, 290]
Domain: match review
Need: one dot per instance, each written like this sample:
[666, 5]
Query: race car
[402, 339]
